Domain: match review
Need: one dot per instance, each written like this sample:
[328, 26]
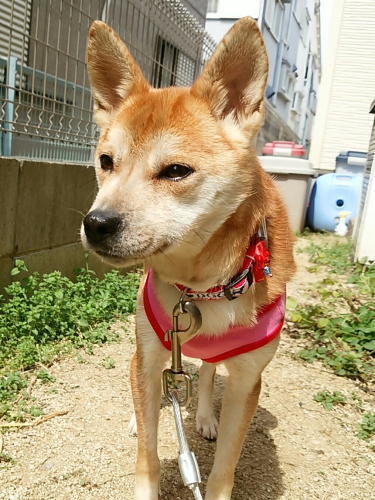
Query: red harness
[213, 349]
[237, 339]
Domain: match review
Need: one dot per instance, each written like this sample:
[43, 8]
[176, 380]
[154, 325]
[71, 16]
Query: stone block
[9, 172]
[52, 198]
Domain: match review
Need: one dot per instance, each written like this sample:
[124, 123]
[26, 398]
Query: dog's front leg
[147, 365]
[239, 405]
[205, 420]
[232, 430]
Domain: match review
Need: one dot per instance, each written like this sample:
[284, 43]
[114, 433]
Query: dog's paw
[207, 427]
[132, 428]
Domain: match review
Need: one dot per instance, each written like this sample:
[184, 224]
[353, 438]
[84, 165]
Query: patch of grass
[342, 341]
[43, 316]
[330, 399]
[358, 401]
[336, 256]
[338, 328]
[35, 411]
[45, 376]
[366, 428]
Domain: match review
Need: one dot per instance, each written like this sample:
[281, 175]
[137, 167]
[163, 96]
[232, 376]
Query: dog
[182, 191]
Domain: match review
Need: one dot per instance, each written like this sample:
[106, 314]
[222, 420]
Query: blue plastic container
[332, 194]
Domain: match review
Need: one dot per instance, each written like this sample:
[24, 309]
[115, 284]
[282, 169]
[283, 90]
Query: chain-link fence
[45, 97]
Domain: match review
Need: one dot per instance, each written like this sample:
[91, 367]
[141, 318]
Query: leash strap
[186, 460]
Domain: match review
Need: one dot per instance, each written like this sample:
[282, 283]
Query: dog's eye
[106, 162]
[175, 172]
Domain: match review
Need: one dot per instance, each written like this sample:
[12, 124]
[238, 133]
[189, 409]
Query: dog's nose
[100, 225]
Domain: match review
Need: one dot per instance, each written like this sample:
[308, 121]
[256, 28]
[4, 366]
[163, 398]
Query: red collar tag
[261, 255]
[255, 268]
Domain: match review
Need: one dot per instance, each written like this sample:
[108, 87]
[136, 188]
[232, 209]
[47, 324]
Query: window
[165, 65]
[273, 17]
[287, 80]
[297, 101]
[171, 66]
[212, 6]
[312, 101]
[185, 70]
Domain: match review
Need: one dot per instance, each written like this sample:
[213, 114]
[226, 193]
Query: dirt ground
[295, 448]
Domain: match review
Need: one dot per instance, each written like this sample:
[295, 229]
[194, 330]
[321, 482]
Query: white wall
[347, 88]
[365, 248]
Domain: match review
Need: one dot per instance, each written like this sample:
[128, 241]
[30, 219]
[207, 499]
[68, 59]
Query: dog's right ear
[113, 72]
[234, 80]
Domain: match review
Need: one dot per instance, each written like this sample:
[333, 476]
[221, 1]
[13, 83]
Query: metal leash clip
[176, 374]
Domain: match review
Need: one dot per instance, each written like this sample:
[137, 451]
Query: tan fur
[194, 231]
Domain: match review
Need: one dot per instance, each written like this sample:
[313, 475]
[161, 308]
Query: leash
[187, 461]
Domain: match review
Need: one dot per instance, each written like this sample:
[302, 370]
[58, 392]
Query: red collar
[255, 268]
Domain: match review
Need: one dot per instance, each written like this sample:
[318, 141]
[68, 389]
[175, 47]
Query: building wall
[304, 100]
[364, 235]
[348, 82]
[198, 9]
[294, 62]
[291, 33]
[15, 17]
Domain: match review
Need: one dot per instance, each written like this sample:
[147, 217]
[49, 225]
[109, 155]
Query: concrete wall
[41, 207]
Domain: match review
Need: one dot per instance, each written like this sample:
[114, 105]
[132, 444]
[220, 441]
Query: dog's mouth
[108, 254]
[118, 259]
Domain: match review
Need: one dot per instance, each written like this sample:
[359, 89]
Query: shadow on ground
[258, 474]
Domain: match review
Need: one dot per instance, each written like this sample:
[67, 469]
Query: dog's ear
[113, 72]
[234, 80]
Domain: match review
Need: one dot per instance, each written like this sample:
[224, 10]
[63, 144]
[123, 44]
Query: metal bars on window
[45, 97]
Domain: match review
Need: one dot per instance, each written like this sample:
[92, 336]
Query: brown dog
[181, 189]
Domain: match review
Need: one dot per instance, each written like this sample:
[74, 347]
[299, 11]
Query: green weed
[345, 342]
[366, 428]
[108, 363]
[330, 399]
[45, 376]
[336, 256]
[339, 328]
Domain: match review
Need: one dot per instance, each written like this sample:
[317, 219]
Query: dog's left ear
[234, 80]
